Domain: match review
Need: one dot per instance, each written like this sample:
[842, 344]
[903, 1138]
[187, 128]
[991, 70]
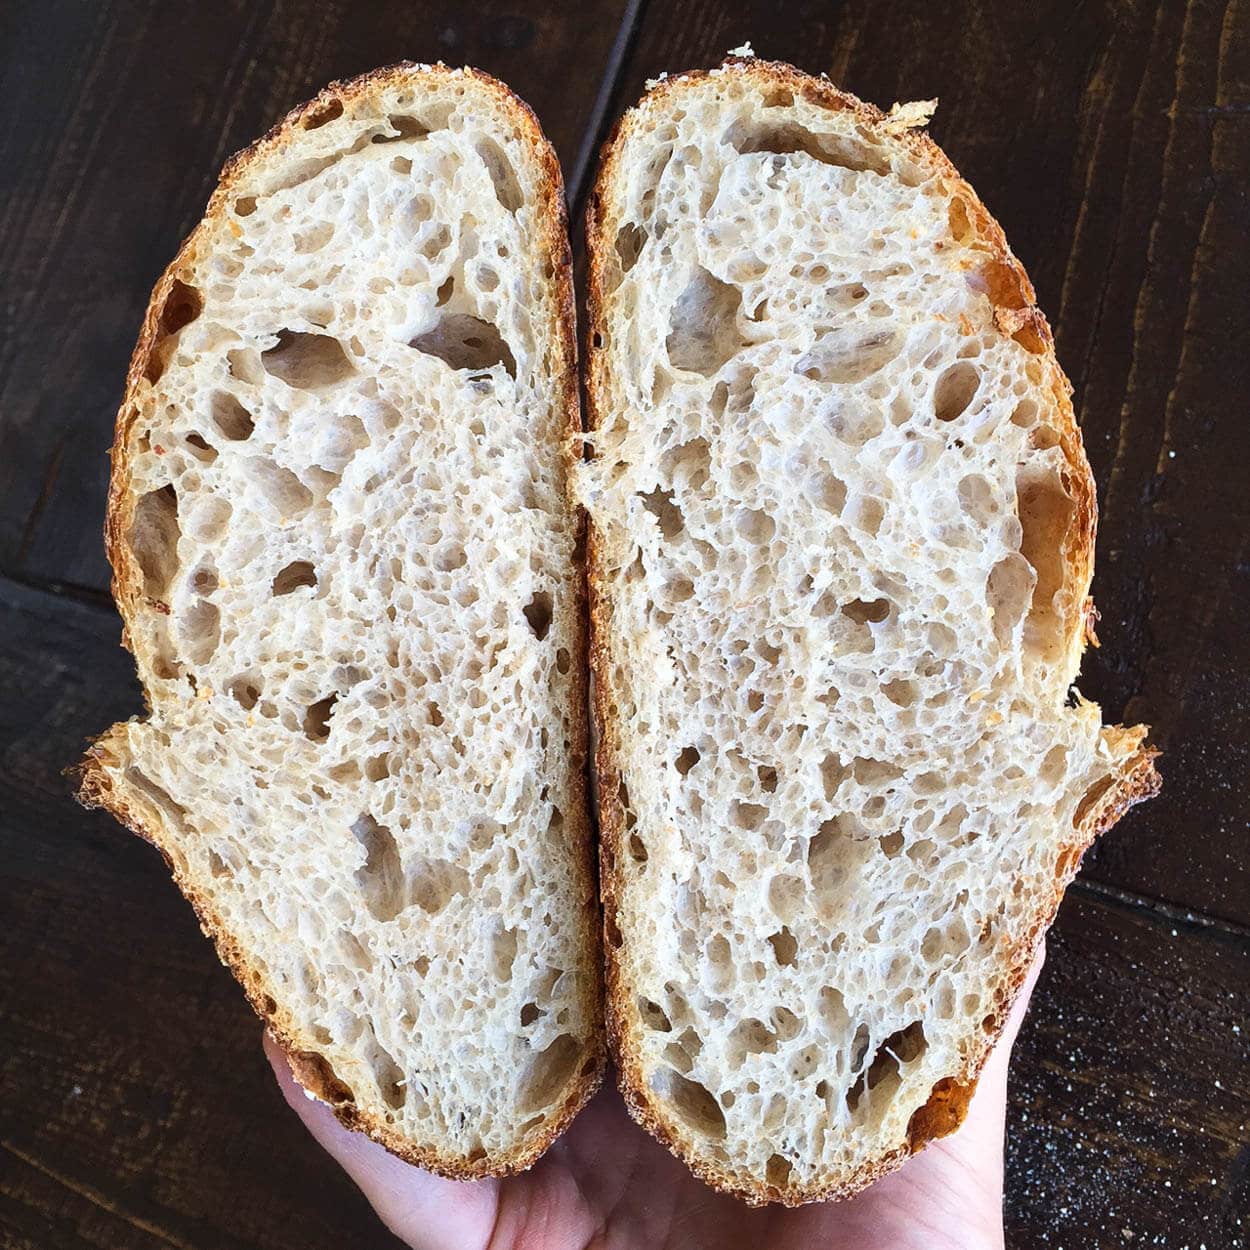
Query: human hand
[607, 1184]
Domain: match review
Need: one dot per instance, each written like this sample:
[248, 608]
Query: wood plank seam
[602, 117]
[89, 596]
[1159, 907]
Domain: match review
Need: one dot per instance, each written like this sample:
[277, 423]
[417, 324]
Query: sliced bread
[841, 541]
[347, 569]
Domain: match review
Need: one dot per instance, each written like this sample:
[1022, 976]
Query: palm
[606, 1184]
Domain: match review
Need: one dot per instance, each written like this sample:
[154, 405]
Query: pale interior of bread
[355, 611]
[842, 602]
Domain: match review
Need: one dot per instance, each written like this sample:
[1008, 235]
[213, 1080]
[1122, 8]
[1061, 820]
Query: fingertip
[405, 1196]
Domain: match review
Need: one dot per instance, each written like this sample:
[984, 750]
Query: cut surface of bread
[841, 538]
[345, 560]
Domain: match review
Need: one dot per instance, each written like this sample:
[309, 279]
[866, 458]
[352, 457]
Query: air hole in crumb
[866, 513]
[778, 98]
[1007, 592]
[563, 662]
[230, 417]
[502, 175]
[538, 614]
[840, 357]
[767, 776]
[1054, 765]
[1025, 414]
[691, 1102]
[245, 206]
[687, 758]
[955, 390]
[703, 332]
[630, 240]
[777, 1171]
[1003, 283]
[529, 1013]
[1088, 801]
[244, 364]
[296, 574]
[902, 693]
[381, 878]
[891, 844]
[829, 493]
[637, 849]
[833, 1012]
[317, 718]
[654, 1016]
[904, 1046]
[390, 1079]
[244, 692]
[285, 494]
[958, 219]
[548, 1073]
[320, 114]
[503, 954]
[785, 896]
[200, 627]
[623, 796]
[435, 882]
[785, 947]
[747, 816]
[153, 539]
[307, 361]
[832, 774]
[864, 611]
[661, 505]
[183, 304]
[787, 138]
[404, 128]
[467, 344]
[201, 449]
[1045, 511]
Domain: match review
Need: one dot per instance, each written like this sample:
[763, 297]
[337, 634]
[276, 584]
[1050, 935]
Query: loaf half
[842, 529]
[344, 556]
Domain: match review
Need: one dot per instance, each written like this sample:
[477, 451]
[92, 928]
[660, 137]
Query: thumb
[425, 1210]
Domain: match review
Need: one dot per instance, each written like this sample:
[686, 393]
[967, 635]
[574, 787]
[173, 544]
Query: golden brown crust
[96, 785]
[1016, 316]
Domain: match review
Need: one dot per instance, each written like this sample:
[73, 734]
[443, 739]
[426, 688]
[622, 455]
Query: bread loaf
[346, 564]
[842, 532]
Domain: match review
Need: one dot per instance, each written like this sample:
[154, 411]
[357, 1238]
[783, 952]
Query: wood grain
[1112, 141]
[118, 117]
[1129, 1117]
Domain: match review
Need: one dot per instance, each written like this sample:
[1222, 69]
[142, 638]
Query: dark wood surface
[1112, 140]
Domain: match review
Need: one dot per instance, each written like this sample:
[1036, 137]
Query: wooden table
[1112, 140]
